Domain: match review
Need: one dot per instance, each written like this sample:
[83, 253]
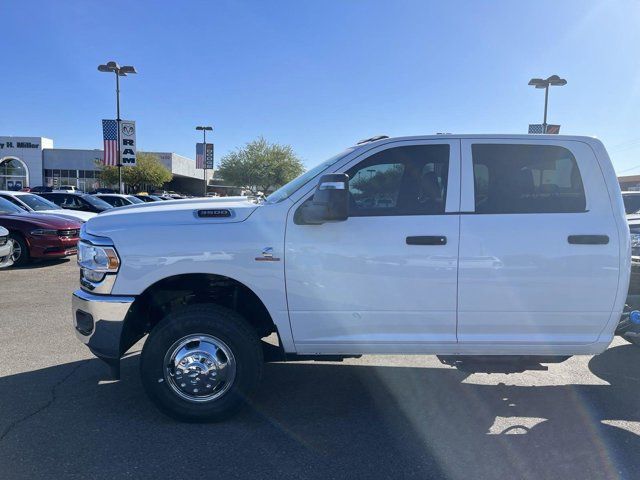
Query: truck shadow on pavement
[328, 421]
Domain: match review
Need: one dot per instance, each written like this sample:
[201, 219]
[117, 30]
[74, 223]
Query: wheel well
[181, 290]
[18, 233]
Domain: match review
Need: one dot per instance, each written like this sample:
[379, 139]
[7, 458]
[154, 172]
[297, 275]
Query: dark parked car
[77, 201]
[118, 200]
[103, 190]
[631, 202]
[34, 235]
[40, 189]
[148, 198]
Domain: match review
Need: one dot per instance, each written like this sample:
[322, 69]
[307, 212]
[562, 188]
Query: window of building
[13, 174]
[526, 179]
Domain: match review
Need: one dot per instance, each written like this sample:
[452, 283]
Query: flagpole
[120, 189]
[204, 159]
[546, 102]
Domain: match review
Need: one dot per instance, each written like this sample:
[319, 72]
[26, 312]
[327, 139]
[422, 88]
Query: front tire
[201, 363]
[20, 253]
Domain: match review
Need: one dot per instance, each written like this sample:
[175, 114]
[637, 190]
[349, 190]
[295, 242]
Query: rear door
[539, 255]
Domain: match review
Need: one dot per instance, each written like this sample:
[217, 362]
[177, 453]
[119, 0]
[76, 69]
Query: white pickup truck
[455, 245]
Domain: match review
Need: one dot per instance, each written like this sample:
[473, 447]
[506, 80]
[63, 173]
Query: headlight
[44, 231]
[635, 244]
[97, 259]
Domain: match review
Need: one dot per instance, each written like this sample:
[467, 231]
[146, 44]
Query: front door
[529, 272]
[385, 279]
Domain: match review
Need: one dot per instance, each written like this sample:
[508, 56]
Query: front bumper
[52, 247]
[98, 321]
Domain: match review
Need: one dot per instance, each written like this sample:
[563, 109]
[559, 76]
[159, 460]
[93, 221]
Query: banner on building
[538, 128]
[128, 143]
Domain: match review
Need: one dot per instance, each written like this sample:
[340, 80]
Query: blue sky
[320, 75]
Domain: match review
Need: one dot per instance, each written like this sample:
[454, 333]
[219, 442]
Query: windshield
[37, 203]
[96, 202]
[7, 207]
[287, 190]
[133, 199]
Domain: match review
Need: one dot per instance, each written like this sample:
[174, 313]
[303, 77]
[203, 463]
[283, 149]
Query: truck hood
[174, 213]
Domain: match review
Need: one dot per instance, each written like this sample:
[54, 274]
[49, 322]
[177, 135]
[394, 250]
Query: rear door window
[511, 178]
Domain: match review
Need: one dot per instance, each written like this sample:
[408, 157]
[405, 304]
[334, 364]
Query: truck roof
[525, 137]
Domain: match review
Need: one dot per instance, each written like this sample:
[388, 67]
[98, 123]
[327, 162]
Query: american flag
[199, 155]
[538, 128]
[110, 136]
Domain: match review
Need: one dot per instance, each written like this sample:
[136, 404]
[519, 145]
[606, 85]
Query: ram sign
[128, 143]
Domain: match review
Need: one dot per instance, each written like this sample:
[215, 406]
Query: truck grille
[71, 233]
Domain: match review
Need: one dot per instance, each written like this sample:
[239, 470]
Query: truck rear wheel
[201, 363]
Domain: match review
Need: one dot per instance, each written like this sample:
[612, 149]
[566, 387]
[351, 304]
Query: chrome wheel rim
[16, 250]
[199, 368]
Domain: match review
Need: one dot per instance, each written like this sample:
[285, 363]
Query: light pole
[553, 80]
[119, 71]
[204, 153]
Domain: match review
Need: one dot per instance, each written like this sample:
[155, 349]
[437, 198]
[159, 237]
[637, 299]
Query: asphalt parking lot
[374, 417]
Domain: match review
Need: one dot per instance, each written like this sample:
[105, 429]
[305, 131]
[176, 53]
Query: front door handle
[427, 240]
[588, 239]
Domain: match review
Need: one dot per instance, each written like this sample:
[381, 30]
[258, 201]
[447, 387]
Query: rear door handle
[427, 240]
[588, 239]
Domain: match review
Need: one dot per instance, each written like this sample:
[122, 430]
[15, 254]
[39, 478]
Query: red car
[38, 236]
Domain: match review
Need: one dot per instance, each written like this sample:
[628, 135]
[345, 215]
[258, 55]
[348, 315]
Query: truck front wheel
[201, 363]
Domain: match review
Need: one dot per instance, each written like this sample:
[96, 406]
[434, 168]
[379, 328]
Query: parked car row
[37, 203]
[35, 235]
[47, 224]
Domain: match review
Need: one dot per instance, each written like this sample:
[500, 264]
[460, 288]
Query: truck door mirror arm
[330, 201]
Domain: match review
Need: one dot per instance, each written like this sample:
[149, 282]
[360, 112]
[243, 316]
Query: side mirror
[330, 202]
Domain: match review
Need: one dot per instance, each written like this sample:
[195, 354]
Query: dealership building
[33, 161]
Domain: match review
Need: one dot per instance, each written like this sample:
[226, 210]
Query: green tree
[378, 182]
[106, 174]
[260, 166]
[147, 172]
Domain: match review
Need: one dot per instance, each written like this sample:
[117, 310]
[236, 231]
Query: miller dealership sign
[19, 145]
